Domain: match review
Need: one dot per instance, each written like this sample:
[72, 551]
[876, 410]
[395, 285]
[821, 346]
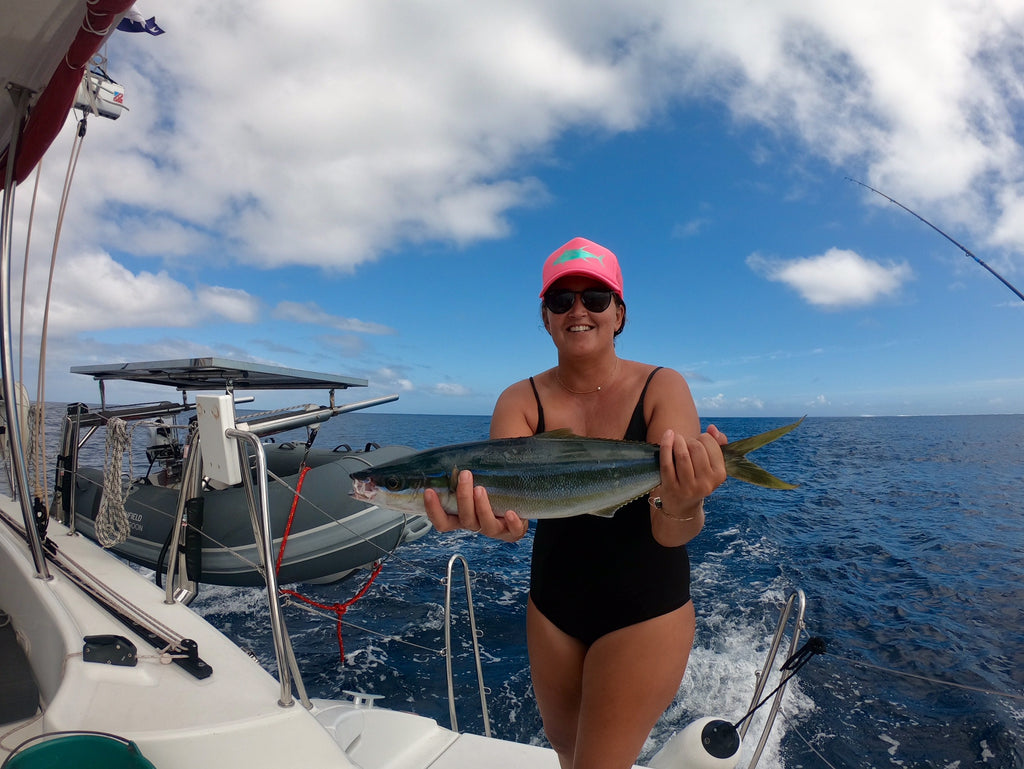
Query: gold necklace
[587, 392]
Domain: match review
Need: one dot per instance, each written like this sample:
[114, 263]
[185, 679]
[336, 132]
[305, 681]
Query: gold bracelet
[656, 502]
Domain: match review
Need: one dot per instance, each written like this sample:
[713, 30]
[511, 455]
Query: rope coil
[112, 527]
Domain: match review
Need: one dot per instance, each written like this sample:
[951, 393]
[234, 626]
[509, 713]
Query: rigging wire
[369, 631]
[891, 671]
[791, 666]
[37, 460]
[931, 680]
[813, 749]
[962, 247]
[24, 273]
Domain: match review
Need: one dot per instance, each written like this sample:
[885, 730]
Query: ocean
[906, 536]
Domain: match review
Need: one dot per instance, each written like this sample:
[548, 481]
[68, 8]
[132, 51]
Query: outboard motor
[164, 448]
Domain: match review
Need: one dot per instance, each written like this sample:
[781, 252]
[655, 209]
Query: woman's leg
[630, 677]
[556, 666]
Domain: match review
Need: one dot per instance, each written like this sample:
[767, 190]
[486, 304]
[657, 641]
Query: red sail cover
[52, 107]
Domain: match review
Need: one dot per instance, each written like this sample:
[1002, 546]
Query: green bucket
[77, 750]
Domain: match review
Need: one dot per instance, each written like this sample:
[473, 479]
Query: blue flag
[133, 22]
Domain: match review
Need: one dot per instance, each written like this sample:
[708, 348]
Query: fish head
[391, 488]
[363, 489]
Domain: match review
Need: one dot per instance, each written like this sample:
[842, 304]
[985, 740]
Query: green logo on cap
[577, 253]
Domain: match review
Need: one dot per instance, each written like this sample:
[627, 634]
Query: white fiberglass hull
[230, 718]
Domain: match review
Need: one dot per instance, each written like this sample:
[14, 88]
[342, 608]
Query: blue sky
[374, 195]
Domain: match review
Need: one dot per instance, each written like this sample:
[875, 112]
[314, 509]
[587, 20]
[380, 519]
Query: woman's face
[581, 330]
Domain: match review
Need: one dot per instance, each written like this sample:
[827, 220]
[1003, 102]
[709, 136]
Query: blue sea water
[906, 536]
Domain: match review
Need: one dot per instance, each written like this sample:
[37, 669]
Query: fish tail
[741, 468]
[746, 445]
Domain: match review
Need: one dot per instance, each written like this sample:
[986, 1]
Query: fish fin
[611, 510]
[743, 469]
[453, 479]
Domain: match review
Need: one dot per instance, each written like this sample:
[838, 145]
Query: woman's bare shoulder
[669, 403]
[515, 413]
[658, 378]
[669, 379]
[519, 393]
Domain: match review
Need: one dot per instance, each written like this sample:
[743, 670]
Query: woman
[609, 620]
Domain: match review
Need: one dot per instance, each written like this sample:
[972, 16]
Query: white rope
[88, 25]
[112, 526]
[37, 448]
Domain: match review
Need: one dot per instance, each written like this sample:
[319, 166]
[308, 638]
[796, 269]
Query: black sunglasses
[560, 301]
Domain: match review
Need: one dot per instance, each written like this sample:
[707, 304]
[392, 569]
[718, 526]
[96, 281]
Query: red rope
[291, 517]
[339, 608]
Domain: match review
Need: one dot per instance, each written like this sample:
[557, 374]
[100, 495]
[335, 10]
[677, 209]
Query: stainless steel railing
[476, 645]
[795, 598]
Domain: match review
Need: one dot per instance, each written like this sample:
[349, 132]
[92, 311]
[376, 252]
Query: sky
[371, 188]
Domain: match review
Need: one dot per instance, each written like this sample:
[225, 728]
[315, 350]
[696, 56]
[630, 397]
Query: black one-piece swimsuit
[591, 575]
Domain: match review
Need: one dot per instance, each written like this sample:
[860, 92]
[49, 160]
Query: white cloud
[324, 133]
[920, 94]
[690, 228]
[359, 127]
[229, 303]
[451, 389]
[838, 278]
[365, 125]
[739, 405]
[311, 312]
[390, 378]
[92, 291]
[714, 401]
[347, 345]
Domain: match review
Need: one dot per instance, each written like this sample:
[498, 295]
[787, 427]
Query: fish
[555, 474]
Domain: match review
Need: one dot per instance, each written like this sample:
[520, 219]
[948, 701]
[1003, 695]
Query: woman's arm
[692, 465]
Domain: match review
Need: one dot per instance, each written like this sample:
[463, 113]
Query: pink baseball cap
[583, 257]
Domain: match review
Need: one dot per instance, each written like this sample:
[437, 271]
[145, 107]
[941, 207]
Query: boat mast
[21, 98]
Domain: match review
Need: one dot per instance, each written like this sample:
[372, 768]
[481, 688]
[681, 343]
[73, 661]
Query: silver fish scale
[591, 477]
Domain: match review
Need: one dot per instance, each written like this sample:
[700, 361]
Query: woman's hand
[475, 513]
[691, 468]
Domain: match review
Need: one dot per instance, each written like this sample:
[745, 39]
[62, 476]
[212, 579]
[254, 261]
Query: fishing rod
[962, 247]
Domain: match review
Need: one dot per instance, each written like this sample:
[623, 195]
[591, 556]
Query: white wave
[720, 681]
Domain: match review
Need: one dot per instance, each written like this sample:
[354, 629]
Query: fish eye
[393, 483]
